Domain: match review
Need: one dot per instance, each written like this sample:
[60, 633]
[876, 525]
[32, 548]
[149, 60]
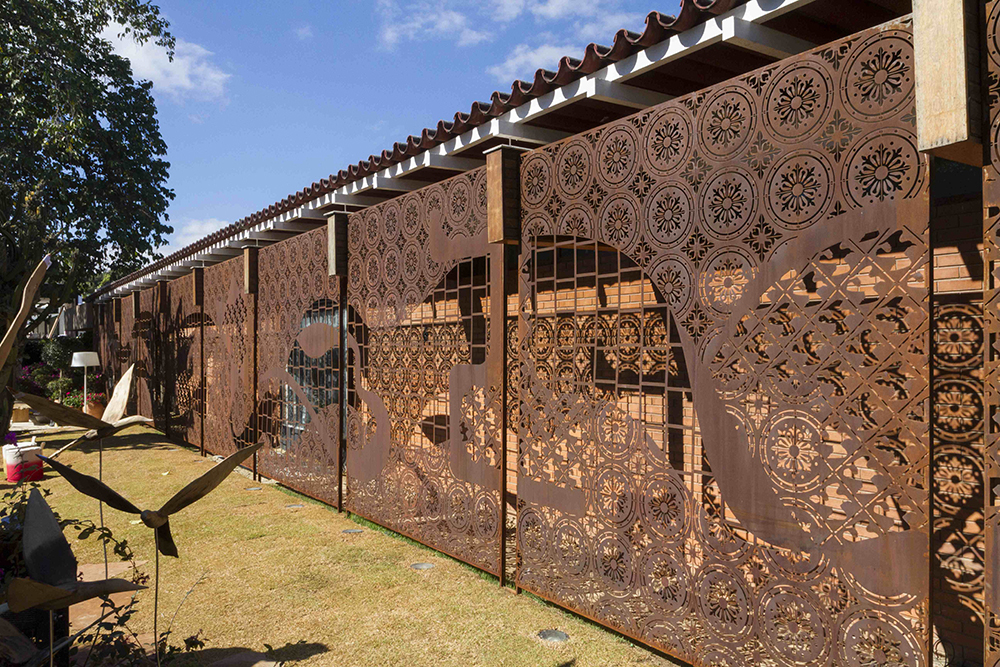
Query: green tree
[82, 174]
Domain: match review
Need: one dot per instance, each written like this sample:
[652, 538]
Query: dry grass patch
[291, 579]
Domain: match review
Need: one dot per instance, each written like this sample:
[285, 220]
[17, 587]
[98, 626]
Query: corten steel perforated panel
[424, 420]
[298, 366]
[724, 429]
[127, 347]
[991, 318]
[182, 361]
[229, 342]
[148, 366]
[106, 342]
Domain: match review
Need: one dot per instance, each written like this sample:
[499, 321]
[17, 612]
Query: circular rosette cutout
[571, 549]
[617, 155]
[669, 215]
[573, 168]
[873, 637]
[673, 277]
[723, 603]
[391, 266]
[729, 203]
[664, 506]
[727, 122]
[459, 509]
[412, 215]
[665, 578]
[532, 537]
[617, 431]
[794, 627]
[372, 224]
[614, 496]
[667, 141]
[487, 516]
[885, 166]
[724, 279]
[614, 562]
[800, 190]
[795, 452]
[391, 221]
[577, 220]
[879, 79]
[536, 179]
[619, 222]
[479, 194]
[798, 101]
[459, 207]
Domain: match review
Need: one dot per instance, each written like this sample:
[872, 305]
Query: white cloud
[190, 76]
[601, 29]
[508, 10]
[304, 33]
[419, 21]
[191, 231]
[524, 60]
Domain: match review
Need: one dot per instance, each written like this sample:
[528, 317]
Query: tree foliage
[82, 169]
[82, 174]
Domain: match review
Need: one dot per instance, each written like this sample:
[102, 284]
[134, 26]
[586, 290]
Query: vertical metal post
[199, 301]
[503, 213]
[336, 238]
[250, 285]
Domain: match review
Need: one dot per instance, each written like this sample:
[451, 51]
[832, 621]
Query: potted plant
[96, 402]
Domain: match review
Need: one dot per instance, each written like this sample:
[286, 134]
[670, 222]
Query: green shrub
[58, 353]
[58, 389]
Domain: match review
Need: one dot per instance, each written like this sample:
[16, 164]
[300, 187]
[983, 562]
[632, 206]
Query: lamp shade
[84, 359]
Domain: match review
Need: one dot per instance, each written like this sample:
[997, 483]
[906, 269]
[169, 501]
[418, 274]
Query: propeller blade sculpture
[108, 425]
[158, 520]
[27, 301]
[52, 584]
[52, 566]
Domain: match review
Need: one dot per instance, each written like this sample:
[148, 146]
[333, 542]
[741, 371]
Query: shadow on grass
[287, 654]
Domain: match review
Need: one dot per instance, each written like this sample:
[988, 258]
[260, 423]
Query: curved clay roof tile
[658, 27]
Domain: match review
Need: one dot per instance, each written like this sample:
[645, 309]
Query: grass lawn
[290, 577]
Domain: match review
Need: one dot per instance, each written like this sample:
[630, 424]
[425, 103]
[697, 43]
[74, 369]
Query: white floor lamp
[83, 360]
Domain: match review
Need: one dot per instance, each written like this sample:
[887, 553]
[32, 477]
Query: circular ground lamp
[84, 360]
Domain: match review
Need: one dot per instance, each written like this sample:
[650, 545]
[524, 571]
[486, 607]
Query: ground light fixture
[353, 531]
[553, 636]
[422, 566]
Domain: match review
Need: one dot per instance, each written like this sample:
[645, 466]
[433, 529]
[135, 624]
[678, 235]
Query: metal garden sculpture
[52, 569]
[112, 422]
[158, 520]
[27, 299]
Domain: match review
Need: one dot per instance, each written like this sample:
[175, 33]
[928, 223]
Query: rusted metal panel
[148, 368]
[724, 337]
[424, 358]
[127, 344]
[182, 361]
[298, 363]
[228, 359]
[991, 322]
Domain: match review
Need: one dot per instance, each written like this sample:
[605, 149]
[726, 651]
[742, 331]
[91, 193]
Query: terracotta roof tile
[658, 27]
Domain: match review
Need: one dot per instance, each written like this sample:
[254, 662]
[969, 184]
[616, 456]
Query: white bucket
[21, 463]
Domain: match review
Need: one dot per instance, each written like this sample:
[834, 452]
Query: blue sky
[265, 98]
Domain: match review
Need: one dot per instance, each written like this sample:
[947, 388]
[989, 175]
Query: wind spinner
[27, 302]
[52, 568]
[108, 425]
[158, 520]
